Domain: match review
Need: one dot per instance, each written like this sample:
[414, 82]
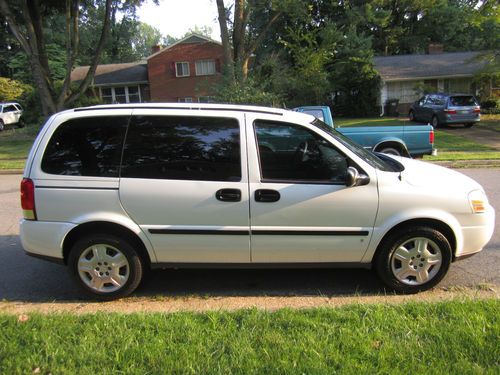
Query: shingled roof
[114, 74]
[408, 67]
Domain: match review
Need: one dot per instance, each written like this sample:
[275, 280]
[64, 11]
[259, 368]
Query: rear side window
[462, 101]
[89, 146]
[183, 148]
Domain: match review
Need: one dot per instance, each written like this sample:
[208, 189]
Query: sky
[176, 17]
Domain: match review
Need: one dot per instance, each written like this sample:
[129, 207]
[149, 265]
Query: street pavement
[26, 279]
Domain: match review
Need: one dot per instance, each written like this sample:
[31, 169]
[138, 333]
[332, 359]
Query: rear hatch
[462, 107]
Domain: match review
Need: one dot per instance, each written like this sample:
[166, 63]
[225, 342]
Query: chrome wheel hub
[103, 268]
[416, 261]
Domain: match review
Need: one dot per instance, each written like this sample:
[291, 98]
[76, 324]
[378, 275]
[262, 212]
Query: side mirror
[354, 178]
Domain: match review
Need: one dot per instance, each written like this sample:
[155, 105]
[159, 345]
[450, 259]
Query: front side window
[183, 148]
[9, 108]
[205, 67]
[89, 146]
[182, 69]
[289, 152]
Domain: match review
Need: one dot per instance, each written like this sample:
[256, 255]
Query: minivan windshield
[366, 155]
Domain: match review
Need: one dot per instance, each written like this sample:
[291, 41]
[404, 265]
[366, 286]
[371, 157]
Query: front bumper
[477, 236]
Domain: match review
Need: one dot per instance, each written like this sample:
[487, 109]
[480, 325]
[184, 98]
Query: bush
[12, 90]
[490, 106]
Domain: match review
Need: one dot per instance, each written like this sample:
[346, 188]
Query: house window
[118, 95]
[182, 69]
[186, 99]
[206, 99]
[205, 67]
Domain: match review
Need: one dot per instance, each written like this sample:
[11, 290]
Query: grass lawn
[15, 145]
[457, 337]
[491, 122]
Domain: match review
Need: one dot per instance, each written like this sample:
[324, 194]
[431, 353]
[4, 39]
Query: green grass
[451, 142]
[15, 145]
[453, 156]
[458, 337]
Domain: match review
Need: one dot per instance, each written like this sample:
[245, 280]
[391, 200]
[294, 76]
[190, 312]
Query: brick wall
[166, 87]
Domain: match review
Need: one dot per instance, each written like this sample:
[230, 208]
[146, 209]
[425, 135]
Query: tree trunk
[224, 35]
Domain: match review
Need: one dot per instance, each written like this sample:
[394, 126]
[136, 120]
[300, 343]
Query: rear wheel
[2, 126]
[414, 259]
[469, 125]
[105, 267]
[435, 122]
[390, 151]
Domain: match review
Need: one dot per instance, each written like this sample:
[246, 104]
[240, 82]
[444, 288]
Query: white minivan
[115, 189]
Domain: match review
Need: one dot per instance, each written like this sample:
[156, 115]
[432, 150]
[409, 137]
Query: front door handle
[228, 195]
[267, 195]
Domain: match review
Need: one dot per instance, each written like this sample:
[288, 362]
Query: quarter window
[89, 146]
[289, 152]
[183, 148]
[182, 69]
[205, 67]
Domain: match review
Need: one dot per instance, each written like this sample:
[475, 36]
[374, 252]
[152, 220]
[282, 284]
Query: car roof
[200, 106]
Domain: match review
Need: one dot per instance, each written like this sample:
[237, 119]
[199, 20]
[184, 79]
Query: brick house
[182, 72]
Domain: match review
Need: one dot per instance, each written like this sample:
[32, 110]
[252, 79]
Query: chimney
[435, 48]
[155, 48]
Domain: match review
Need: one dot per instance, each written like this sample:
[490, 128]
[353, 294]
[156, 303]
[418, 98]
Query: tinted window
[9, 108]
[183, 148]
[291, 152]
[464, 101]
[88, 146]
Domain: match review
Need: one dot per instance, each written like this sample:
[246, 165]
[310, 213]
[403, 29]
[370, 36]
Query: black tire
[21, 124]
[469, 125]
[435, 122]
[2, 126]
[133, 270]
[386, 260]
[411, 115]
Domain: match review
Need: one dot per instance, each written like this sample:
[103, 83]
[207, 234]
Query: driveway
[482, 136]
[27, 283]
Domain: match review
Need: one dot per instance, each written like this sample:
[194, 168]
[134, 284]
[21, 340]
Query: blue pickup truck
[409, 141]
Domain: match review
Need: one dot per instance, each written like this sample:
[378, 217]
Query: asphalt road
[27, 279]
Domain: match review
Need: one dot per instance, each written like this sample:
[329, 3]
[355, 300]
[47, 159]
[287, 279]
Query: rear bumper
[44, 239]
[460, 120]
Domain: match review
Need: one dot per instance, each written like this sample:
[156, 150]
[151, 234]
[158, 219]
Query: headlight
[478, 201]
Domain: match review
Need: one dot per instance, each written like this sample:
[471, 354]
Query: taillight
[450, 111]
[28, 199]
[431, 137]
[476, 110]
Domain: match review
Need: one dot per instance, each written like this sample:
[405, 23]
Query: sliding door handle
[267, 195]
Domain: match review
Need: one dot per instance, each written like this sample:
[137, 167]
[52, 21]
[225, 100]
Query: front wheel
[411, 115]
[413, 260]
[2, 126]
[105, 267]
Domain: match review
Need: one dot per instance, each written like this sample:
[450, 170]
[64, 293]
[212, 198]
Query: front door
[301, 210]
[184, 182]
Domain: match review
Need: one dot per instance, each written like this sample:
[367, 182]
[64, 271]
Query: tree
[25, 19]
[245, 38]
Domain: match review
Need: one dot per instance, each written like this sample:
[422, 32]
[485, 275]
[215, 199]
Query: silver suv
[113, 190]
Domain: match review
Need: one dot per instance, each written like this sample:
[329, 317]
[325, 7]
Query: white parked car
[10, 114]
[112, 190]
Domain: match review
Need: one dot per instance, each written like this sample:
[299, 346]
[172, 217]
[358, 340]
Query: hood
[424, 174]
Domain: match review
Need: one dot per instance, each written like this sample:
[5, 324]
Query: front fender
[382, 229]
